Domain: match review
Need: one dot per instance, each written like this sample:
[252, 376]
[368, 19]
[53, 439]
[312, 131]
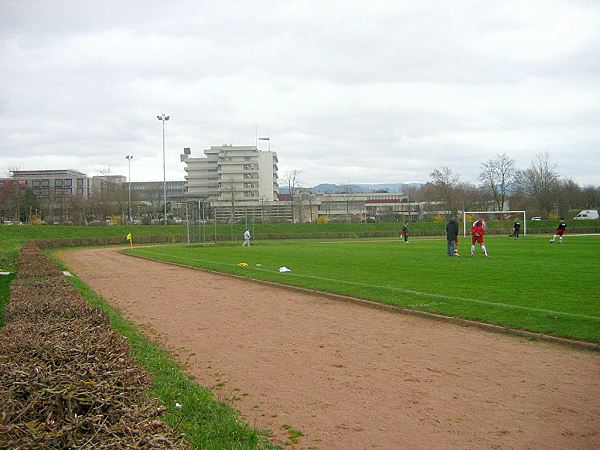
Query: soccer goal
[484, 215]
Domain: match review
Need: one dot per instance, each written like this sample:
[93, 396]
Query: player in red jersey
[477, 232]
[562, 226]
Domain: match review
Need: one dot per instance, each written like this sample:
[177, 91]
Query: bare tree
[446, 181]
[14, 194]
[293, 182]
[310, 206]
[78, 205]
[496, 177]
[229, 190]
[540, 182]
[569, 198]
[591, 197]
[470, 198]
[347, 195]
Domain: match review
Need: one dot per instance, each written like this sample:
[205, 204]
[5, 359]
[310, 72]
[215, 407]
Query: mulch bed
[67, 380]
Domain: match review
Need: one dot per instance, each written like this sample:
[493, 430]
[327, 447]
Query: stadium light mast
[163, 118]
[129, 158]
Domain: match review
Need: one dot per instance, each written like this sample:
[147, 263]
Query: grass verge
[4, 291]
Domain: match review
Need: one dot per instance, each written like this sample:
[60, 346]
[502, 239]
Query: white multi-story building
[233, 177]
[245, 171]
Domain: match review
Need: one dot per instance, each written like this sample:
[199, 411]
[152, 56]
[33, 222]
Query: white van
[587, 214]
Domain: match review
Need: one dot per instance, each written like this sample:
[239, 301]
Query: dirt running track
[354, 377]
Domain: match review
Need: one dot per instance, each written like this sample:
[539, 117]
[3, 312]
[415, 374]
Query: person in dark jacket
[516, 229]
[405, 232]
[452, 235]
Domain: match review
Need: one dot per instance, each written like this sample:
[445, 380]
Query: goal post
[524, 213]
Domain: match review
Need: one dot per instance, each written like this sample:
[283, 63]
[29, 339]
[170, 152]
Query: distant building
[249, 173]
[235, 181]
[56, 191]
[151, 192]
[53, 185]
[351, 206]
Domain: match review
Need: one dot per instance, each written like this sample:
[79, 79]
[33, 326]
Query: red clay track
[353, 377]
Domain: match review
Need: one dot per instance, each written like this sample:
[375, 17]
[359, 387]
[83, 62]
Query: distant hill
[328, 188]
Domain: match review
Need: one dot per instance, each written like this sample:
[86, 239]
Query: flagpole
[256, 136]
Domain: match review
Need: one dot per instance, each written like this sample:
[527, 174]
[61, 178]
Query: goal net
[506, 220]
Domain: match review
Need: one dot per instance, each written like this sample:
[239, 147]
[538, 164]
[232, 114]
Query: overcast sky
[349, 91]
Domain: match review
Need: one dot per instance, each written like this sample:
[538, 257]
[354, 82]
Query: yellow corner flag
[129, 238]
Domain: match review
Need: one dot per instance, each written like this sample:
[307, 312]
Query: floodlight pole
[163, 118]
[129, 158]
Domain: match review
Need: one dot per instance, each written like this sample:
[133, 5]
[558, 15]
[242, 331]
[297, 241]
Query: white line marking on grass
[439, 238]
[390, 288]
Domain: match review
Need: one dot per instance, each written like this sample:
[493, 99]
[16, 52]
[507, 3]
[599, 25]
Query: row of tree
[538, 189]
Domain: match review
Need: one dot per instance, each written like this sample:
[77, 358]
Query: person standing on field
[405, 232]
[452, 235]
[562, 226]
[477, 232]
[246, 239]
[516, 229]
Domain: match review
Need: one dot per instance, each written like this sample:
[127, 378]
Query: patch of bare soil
[354, 377]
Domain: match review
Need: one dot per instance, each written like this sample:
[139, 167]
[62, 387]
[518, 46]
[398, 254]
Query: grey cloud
[393, 89]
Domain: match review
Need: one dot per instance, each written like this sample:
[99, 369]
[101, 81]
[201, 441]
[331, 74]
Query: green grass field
[4, 291]
[527, 284]
[13, 236]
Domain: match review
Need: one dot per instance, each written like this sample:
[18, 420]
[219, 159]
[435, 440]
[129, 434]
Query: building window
[80, 191]
[36, 182]
[45, 183]
[68, 191]
[58, 183]
[69, 182]
[79, 181]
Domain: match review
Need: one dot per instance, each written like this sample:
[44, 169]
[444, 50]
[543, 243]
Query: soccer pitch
[528, 283]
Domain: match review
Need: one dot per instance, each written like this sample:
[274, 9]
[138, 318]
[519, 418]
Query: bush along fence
[67, 380]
